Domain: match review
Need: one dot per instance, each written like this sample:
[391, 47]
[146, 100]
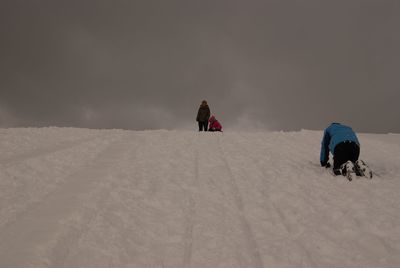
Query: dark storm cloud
[148, 64]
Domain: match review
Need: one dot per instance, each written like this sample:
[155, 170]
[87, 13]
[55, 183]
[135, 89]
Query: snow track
[111, 198]
[43, 223]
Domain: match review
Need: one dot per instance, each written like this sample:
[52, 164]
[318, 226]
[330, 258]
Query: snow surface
[112, 198]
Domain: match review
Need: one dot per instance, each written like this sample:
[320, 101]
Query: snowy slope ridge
[112, 198]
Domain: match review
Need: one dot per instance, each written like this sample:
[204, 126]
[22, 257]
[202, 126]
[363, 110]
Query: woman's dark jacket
[203, 114]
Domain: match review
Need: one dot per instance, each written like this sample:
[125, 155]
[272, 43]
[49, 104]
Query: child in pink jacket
[214, 124]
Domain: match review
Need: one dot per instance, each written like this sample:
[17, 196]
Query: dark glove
[325, 164]
[328, 165]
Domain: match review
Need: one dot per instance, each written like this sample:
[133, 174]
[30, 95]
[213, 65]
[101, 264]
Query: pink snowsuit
[214, 124]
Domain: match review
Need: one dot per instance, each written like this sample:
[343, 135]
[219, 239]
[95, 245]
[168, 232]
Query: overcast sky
[264, 64]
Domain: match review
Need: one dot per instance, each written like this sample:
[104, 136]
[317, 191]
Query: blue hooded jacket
[333, 135]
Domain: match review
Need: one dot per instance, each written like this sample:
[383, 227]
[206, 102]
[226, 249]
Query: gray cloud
[148, 64]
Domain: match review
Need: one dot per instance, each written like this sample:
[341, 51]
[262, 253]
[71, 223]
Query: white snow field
[112, 198]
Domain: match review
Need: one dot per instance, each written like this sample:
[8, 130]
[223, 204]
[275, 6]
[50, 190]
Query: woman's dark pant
[203, 125]
[345, 151]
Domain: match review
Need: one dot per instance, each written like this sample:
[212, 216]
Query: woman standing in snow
[203, 115]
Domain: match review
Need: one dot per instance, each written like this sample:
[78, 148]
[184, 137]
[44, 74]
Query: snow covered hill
[112, 198]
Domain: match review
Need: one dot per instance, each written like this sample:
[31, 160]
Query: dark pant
[203, 125]
[345, 151]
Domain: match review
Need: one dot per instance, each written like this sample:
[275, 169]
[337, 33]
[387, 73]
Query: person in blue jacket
[343, 143]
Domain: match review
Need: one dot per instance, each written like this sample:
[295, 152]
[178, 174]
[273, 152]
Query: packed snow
[112, 198]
